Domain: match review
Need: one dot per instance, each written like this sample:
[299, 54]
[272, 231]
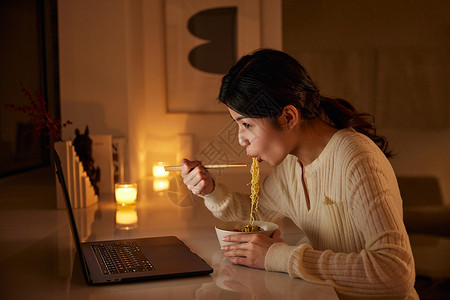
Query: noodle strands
[254, 197]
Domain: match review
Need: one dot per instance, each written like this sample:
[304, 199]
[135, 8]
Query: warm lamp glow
[158, 171]
[126, 217]
[126, 193]
[160, 185]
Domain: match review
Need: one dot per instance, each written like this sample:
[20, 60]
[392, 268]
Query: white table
[38, 260]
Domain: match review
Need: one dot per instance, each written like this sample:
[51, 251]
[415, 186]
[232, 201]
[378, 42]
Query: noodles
[254, 170]
[254, 197]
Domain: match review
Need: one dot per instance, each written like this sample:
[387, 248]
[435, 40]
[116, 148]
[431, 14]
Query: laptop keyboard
[121, 257]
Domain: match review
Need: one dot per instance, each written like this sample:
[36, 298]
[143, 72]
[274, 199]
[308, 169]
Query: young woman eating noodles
[331, 176]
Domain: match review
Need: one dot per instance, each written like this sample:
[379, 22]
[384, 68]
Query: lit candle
[158, 171]
[160, 185]
[126, 193]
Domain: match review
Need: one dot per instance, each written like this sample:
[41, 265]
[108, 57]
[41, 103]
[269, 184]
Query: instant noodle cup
[233, 227]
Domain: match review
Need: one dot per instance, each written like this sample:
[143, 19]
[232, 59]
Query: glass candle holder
[126, 193]
[158, 170]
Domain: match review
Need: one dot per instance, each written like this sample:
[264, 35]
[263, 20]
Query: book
[102, 154]
[63, 148]
[118, 158]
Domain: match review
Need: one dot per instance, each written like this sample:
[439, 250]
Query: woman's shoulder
[356, 149]
[351, 142]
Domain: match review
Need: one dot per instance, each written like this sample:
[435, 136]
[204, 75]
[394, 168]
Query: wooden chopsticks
[236, 165]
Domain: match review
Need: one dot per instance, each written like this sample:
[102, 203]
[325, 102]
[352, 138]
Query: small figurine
[83, 148]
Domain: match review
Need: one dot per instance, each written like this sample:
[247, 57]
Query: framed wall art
[204, 39]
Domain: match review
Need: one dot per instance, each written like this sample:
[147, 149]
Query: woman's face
[261, 139]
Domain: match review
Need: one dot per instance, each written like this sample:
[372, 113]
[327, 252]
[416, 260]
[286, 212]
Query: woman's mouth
[252, 156]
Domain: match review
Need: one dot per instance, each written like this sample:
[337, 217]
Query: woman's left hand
[251, 251]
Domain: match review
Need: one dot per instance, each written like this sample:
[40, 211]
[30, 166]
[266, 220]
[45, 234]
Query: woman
[331, 176]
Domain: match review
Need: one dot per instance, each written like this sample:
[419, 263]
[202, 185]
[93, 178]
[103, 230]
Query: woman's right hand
[196, 178]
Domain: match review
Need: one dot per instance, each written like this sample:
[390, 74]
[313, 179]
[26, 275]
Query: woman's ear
[290, 116]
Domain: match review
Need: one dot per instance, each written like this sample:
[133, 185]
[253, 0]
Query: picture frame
[203, 40]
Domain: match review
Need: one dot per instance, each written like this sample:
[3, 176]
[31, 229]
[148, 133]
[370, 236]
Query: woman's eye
[246, 125]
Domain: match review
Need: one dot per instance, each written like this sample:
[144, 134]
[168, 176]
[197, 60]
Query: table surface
[38, 259]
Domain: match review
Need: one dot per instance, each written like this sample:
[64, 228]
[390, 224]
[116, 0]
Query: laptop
[127, 260]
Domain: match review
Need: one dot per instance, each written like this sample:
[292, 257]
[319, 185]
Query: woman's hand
[196, 178]
[252, 250]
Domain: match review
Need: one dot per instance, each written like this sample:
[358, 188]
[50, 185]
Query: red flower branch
[42, 121]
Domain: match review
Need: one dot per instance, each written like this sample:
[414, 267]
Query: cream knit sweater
[358, 242]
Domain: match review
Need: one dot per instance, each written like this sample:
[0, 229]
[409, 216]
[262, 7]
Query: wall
[112, 64]
[390, 58]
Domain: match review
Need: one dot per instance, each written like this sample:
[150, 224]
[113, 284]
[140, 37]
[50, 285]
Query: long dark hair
[261, 84]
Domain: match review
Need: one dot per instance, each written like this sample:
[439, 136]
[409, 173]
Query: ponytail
[342, 114]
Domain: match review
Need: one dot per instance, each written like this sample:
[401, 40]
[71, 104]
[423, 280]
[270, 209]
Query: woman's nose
[243, 141]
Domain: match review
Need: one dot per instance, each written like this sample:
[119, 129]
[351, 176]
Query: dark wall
[28, 55]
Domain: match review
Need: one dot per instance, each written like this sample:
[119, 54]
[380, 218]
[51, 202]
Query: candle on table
[158, 170]
[126, 193]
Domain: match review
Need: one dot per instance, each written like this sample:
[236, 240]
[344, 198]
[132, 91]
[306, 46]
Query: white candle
[158, 171]
[126, 193]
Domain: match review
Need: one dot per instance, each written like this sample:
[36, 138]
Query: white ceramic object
[229, 228]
